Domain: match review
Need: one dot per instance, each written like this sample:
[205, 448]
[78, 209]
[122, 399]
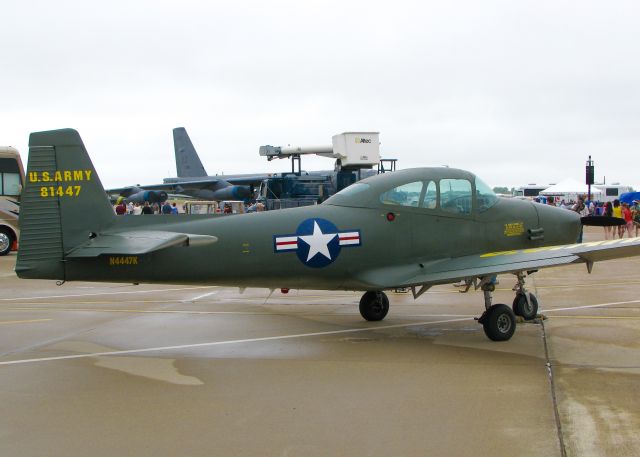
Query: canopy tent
[629, 197]
[570, 188]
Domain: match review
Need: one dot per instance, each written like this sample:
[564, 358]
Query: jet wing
[167, 186]
[137, 243]
[199, 184]
[449, 270]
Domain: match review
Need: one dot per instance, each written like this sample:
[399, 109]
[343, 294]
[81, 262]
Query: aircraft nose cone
[561, 226]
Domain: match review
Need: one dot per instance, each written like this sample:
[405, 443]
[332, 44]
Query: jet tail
[188, 164]
[63, 204]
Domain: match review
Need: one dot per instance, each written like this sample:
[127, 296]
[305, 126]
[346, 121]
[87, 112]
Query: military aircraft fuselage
[378, 224]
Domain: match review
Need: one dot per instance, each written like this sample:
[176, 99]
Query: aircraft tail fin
[63, 204]
[188, 164]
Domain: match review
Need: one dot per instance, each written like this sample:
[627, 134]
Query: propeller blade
[602, 221]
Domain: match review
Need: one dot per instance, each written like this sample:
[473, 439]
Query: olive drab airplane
[412, 228]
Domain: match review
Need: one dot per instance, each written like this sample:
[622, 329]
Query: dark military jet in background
[413, 228]
[192, 180]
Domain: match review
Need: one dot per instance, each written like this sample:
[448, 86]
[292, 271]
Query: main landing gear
[374, 306]
[499, 321]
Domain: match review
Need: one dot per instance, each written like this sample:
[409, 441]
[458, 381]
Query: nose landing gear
[525, 304]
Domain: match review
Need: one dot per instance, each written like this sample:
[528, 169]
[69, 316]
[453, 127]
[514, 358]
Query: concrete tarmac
[113, 369]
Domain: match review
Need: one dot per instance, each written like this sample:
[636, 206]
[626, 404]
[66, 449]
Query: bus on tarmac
[11, 182]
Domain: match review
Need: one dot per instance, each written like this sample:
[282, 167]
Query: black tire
[374, 306]
[6, 240]
[499, 323]
[529, 310]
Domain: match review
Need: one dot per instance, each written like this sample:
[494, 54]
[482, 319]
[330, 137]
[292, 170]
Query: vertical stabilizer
[63, 203]
[188, 164]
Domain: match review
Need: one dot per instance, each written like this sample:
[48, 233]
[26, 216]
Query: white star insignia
[318, 242]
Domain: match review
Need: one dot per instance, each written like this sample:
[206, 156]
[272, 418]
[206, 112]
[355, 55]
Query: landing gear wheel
[374, 306]
[6, 240]
[528, 310]
[499, 323]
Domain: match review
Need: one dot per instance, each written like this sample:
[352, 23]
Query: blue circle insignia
[319, 242]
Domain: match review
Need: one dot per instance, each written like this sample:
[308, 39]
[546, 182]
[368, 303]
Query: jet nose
[561, 226]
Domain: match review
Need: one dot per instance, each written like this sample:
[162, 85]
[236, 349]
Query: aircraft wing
[137, 243]
[199, 184]
[450, 270]
[202, 184]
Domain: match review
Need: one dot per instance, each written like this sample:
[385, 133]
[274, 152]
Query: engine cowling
[151, 196]
[232, 193]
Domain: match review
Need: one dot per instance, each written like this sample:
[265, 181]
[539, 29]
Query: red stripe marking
[344, 238]
[282, 243]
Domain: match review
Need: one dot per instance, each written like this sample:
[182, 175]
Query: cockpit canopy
[445, 190]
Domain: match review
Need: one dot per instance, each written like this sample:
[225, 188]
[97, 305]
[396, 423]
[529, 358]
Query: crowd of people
[122, 208]
[630, 213]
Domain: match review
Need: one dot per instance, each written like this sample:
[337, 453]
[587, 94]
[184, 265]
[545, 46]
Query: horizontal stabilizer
[137, 243]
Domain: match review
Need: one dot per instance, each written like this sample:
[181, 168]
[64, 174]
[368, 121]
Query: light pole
[589, 176]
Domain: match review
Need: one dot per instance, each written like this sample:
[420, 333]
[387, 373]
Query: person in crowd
[166, 207]
[137, 209]
[146, 209]
[174, 208]
[121, 209]
[608, 230]
[628, 218]
[635, 212]
[582, 210]
[155, 208]
[617, 212]
[227, 208]
[130, 208]
[550, 201]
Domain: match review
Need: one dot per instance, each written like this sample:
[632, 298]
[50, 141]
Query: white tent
[571, 189]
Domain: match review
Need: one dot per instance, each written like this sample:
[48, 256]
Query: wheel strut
[520, 287]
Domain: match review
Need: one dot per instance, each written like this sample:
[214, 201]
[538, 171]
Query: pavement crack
[552, 385]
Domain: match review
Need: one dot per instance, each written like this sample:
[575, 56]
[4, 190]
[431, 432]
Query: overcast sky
[516, 92]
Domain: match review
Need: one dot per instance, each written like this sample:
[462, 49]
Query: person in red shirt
[121, 209]
[626, 214]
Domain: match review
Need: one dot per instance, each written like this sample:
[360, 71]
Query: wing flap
[137, 243]
[449, 270]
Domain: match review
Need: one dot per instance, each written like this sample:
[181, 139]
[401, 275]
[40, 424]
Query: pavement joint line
[220, 343]
[28, 321]
[600, 305]
[434, 292]
[186, 311]
[200, 296]
[552, 386]
[108, 293]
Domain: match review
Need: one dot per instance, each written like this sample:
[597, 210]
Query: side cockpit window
[456, 196]
[485, 196]
[404, 195]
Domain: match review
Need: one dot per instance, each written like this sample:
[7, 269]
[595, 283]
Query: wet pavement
[112, 369]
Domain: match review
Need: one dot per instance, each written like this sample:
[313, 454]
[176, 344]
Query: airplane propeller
[602, 221]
